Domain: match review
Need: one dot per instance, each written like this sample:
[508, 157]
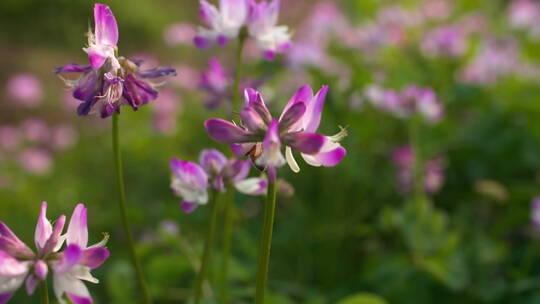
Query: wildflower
[261, 136]
[233, 16]
[36, 160]
[433, 171]
[179, 33]
[224, 24]
[449, 40]
[25, 88]
[215, 81]
[165, 111]
[110, 81]
[19, 264]
[524, 14]
[191, 181]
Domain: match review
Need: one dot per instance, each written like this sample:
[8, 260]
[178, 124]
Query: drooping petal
[252, 186]
[77, 232]
[226, 132]
[4, 297]
[96, 55]
[291, 116]
[11, 244]
[106, 29]
[330, 156]
[70, 285]
[69, 258]
[212, 161]
[309, 143]
[94, 257]
[312, 118]
[241, 150]
[43, 228]
[138, 92]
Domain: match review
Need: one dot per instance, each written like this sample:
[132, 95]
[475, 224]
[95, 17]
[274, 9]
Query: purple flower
[191, 181]
[402, 158]
[19, 264]
[261, 136]
[25, 88]
[215, 81]
[110, 81]
[535, 212]
[447, 40]
[262, 23]
[524, 14]
[223, 24]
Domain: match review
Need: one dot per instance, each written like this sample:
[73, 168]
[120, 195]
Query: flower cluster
[233, 16]
[110, 81]
[261, 135]
[70, 266]
[407, 102]
[433, 172]
[191, 181]
[25, 88]
[446, 40]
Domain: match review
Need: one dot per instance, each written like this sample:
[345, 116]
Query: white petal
[251, 186]
[10, 284]
[311, 160]
[68, 282]
[291, 161]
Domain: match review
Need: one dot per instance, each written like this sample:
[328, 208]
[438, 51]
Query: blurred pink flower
[447, 40]
[179, 33]
[436, 9]
[165, 111]
[36, 161]
[69, 101]
[35, 130]
[535, 212]
[187, 78]
[63, 137]
[525, 14]
[9, 138]
[26, 89]
[402, 158]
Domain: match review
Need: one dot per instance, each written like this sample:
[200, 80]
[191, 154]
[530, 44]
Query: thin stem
[208, 247]
[228, 223]
[235, 101]
[419, 194]
[266, 241]
[123, 212]
[44, 291]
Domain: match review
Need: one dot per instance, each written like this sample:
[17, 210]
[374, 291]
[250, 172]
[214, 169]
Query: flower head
[261, 136]
[223, 23]
[19, 264]
[433, 172]
[110, 81]
[191, 181]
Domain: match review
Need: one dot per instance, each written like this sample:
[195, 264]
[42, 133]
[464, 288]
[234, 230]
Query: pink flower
[25, 88]
[433, 171]
[179, 33]
[165, 111]
[36, 161]
[63, 137]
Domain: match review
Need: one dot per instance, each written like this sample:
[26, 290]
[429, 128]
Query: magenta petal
[241, 150]
[94, 257]
[73, 68]
[44, 228]
[70, 257]
[96, 58]
[201, 42]
[77, 232]
[4, 298]
[314, 110]
[52, 242]
[11, 244]
[292, 115]
[30, 284]
[308, 143]
[222, 40]
[106, 29]
[75, 299]
[252, 120]
[41, 270]
[188, 207]
[303, 94]
[226, 132]
[331, 158]
[189, 173]
[212, 160]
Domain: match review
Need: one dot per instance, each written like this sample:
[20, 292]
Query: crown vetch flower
[110, 81]
[261, 136]
[191, 181]
[19, 264]
[433, 171]
[223, 23]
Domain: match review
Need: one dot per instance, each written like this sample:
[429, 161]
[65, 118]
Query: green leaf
[363, 298]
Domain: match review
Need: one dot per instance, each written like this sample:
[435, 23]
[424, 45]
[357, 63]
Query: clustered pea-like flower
[110, 81]
[70, 266]
[191, 181]
[228, 22]
[261, 136]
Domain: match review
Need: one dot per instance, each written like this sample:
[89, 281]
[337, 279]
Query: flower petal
[158, 72]
[69, 258]
[314, 110]
[31, 285]
[291, 116]
[10, 267]
[309, 143]
[72, 287]
[55, 241]
[40, 270]
[43, 228]
[226, 132]
[188, 207]
[77, 232]
[94, 257]
[327, 158]
[11, 244]
[303, 94]
[212, 161]
[291, 161]
[252, 186]
[4, 298]
[73, 68]
[252, 120]
[106, 29]
[189, 173]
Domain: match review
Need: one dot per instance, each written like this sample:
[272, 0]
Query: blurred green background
[347, 235]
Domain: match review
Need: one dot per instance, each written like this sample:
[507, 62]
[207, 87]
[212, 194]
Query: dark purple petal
[201, 42]
[87, 88]
[94, 257]
[158, 72]
[138, 92]
[70, 257]
[252, 120]
[222, 40]
[108, 109]
[226, 132]
[309, 143]
[4, 298]
[75, 299]
[73, 68]
[303, 94]
[291, 116]
[188, 207]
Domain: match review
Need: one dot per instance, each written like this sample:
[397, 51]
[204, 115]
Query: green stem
[266, 241]
[418, 191]
[208, 247]
[228, 223]
[123, 212]
[44, 291]
[235, 101]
